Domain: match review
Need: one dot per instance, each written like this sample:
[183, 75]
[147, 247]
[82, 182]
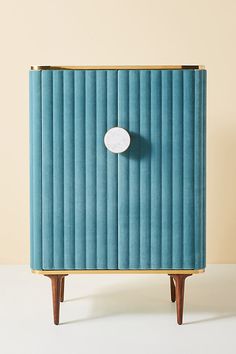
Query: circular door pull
[117, 140]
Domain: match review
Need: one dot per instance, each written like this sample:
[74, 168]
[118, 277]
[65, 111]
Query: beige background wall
[86, 32]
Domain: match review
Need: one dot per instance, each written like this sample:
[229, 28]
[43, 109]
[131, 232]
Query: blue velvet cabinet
[94, 210]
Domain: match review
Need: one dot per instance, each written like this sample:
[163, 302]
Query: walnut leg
[179, 289]
[62, 288]
[56, 294]
[172, 289]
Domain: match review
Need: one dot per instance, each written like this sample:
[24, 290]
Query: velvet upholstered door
[161, 178]
[94, 209]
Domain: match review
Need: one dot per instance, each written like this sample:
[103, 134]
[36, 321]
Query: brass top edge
[120, 67]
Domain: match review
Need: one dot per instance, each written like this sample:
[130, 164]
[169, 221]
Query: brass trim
[120, 271]
[119, 67]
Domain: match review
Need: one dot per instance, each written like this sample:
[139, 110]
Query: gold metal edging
[119, 67]
[120, 271]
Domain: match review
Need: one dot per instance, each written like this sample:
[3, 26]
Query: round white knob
[117, 140]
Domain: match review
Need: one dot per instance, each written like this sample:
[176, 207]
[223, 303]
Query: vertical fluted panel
[47, 169]
[31, 155]
[177, 148]
[199, 168]
[145, 168]
[80, 171]
[198, 134]
[166, 153]
[123, 173]
[69, 171]
[202, 157]
[36, 168]
[134, 169]
[112, 173]
[188, 170]
[101, 168]
[155, 170]
[90, 165]
[58, 170]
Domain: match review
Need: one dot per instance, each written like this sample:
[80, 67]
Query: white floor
[117, 314]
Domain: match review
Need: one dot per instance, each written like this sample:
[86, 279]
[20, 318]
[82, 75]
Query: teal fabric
[142, 209]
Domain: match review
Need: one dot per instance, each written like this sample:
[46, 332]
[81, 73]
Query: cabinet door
[73, 177]
[161, 177]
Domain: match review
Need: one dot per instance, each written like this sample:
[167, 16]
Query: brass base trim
[120, 271]
[119, 67]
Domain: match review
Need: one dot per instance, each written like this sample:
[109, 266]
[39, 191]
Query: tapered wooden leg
[172, 289]
[62, 288]
[56, 294]
[179, 293]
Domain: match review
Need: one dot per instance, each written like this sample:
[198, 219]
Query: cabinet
[94, 210]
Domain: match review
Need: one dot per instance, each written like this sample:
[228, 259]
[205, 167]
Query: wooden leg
[179, 292]
[56, 295]
[172, 289]
[62, 288]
